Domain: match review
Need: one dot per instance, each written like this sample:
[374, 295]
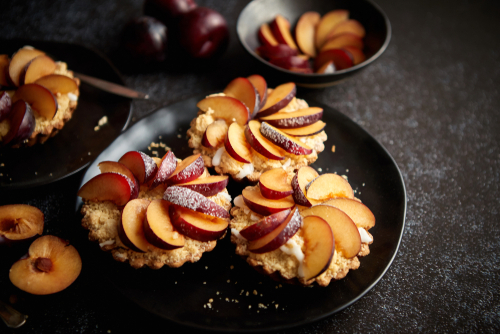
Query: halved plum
[19, 222]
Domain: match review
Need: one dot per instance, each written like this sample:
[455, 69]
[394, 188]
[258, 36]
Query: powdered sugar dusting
[194, 201]
[192, 171]
[150, 166]
[280, 140]
[166, 169]
[293, 121]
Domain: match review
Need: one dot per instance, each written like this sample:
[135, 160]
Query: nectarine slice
[207, 186]
[329, 186]
[141, 165]
[130, 230]
[347, 238]
[39, 98]
[274, 184]
[58, 83]
[295, 119]
[158, 228]
[197, 226]
[51, 266]
[305, 131]
[192, 200]
[299, 182]
[327, 23]
[280, 27]
[319, 246]
[243, 90]
[20, 222]
[113, 187]
[286, 142]
[227, 108]
[265, 35]
[357, 211]
[256, 202]
[279, 236]
[37, 67]
[345, 39]
[236, 144]
[264, 226]
[279, 98]
[215, 134]
[260, 144]
[305, 32]
[19, 61]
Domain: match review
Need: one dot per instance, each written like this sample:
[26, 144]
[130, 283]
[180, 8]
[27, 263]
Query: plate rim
[294, 324]
[122, 82]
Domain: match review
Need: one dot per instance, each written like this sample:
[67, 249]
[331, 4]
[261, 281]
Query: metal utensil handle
[11, 317]
[111, 87]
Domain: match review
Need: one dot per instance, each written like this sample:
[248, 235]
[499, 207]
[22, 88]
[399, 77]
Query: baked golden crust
[284, 267]
[44, 128]
[260, 163]
[101, 219]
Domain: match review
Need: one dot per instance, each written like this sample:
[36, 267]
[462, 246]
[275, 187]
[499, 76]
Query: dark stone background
[432, 100]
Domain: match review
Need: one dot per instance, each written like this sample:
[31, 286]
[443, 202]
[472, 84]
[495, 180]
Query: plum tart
[301, 227]
[38, 96]
[155, 212]
[249, 129]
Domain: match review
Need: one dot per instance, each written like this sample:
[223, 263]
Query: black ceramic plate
[77, 144]
[180, 294]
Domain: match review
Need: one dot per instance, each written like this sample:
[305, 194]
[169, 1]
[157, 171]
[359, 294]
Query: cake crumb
[320, 169]
[210, 300]
[333, 148]
[231, 267]
[277, 305]
[101, 122]
[246, 294]
[229, 281]
[262, 306]
[255, 292]
[249, 306]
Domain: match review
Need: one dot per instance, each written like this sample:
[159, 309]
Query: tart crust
[260, 163]
[102, 219]
[283, 267]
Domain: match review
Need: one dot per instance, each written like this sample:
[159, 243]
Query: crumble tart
[294, 135]
[51, 100]
[287, 259]
[104, 219]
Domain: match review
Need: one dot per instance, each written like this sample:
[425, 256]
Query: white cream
[287, 164]
[247, 169]
[106, 243]
[72, 97]
[365, 238]
[217, 157]
[239, 202]
[237, 234]
[254, 217]
[296, 251]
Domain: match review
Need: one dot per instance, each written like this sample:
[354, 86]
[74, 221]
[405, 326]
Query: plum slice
[167, 167]
[308, 130]
[51, 266]
[342, 40]
[261, 85]
[58, 83]
[256, 202]
[348, 26]
[37, 67]
[19, 61]
[141, 165]
[299, 182]
[264, 226]
[130, 229]
[259, 143]
[236, 144]
[158, 228]
[329, 186]
[280, 27]
[319, 246]
[5, 105]
[305, 31]
[4, 65]
[279, 236]
[113, 187]
[279, 98]
[274, 184]
[329, 21]
[22, 123]
[286, 142]
[357, 211]
[116, 167]
[341, 59]
[192, 200]
[188, 170]
[266, 36]
[243, 90]
[19, 222]
[296, 119]
[215, 134]
[39, 98]
[227, 108]
[207, 186]
[197, 226]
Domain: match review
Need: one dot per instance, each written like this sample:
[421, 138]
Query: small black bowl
[369, 14]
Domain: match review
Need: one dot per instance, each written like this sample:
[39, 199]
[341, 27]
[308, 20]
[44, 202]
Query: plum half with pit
[145, 39]
[19, 223]
[203, 33]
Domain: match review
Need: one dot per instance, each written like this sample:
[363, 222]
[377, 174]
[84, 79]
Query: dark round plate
[77, 144]
[237, 290]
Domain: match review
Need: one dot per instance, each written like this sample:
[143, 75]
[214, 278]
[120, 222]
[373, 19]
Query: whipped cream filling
[217, 157]
[247, 169]
[106, 243]
[365, 238]
[292, 248]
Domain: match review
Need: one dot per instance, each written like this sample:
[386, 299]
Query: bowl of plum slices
[314, 43]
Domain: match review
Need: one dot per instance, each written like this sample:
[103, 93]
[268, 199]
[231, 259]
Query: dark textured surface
[432, 99]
